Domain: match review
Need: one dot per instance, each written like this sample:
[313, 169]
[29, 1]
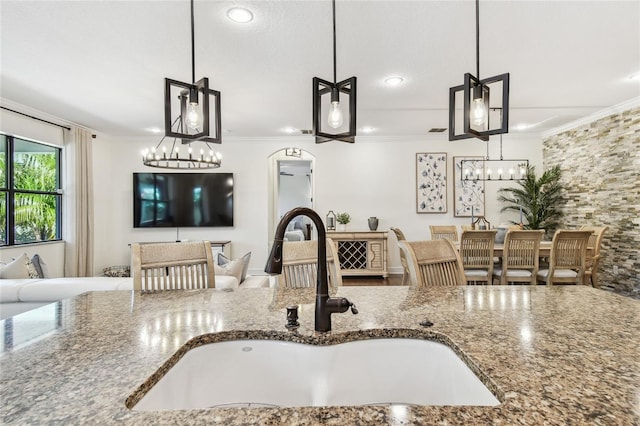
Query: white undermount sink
[254, 373]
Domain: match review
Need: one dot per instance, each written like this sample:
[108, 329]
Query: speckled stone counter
[559, 355]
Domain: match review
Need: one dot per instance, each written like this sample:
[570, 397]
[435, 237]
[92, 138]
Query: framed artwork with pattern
[431, 182]
[468, 195]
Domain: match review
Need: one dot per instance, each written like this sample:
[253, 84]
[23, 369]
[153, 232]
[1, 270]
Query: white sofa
[20, 295]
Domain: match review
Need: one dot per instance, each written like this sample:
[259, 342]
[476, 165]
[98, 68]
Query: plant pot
[373, 223]
[341, 227]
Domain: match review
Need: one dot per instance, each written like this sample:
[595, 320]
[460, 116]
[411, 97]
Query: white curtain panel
[78, 203]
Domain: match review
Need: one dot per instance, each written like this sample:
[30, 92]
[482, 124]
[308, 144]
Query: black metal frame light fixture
[321, 88]
[190, 111]
[196, 105]
[477, 120]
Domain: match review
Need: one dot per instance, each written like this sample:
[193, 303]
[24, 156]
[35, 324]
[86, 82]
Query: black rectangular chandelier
[327, 97]
[195, 108]
[328, 116]
[473, 105]
[477, 118]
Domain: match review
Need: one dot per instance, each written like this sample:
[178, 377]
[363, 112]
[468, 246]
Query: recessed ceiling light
[289, 130]
[635, 76]
[522, 126]
[367, 129]
[240, 15]
[153, 129]
[393, 80]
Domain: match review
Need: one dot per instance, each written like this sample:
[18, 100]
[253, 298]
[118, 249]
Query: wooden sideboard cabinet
[361, 252]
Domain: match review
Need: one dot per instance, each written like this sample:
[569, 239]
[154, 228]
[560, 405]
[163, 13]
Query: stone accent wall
[600, 163]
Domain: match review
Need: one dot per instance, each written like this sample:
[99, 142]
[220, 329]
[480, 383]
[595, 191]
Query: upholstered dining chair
[593, 254]
[433, 263]
[172, 266]
[403, 259]
[567, 259]
[300, 265]
[520, 257]
[439, 232]
[476, 252]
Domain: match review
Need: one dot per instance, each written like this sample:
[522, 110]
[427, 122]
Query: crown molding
[23, 109]
[615, 109]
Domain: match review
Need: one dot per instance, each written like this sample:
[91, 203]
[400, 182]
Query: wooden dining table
[545, 249]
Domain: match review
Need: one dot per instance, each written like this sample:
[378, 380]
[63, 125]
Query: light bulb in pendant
[478, 112]
[335, 119]
[194, 117]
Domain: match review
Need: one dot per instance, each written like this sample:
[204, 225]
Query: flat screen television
[182, 200]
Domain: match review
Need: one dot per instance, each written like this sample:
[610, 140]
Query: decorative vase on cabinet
[373, 223]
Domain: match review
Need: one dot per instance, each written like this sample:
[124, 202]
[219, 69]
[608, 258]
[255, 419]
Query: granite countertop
[552, 355]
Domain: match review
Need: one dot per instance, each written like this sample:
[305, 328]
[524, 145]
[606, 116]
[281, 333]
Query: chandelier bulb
[335, 119]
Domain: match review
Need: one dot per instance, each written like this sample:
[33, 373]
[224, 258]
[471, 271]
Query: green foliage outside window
[34, 192]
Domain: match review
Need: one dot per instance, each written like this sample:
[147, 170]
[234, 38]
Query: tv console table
[361, 253]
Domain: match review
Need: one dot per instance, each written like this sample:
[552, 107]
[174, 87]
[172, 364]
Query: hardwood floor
[367, 281]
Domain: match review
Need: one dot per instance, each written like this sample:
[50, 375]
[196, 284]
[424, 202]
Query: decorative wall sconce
[293, 152]
[476, 96]
[327, 97]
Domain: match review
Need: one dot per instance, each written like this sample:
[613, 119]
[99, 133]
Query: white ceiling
[102, 64]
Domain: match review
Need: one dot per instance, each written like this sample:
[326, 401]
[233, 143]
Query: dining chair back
[403, 259]
[433, 263]
[520, 257]
[594, 257]
[568, 258]
[300, 265]
[439, 232]
[172, 266]
[476, 252]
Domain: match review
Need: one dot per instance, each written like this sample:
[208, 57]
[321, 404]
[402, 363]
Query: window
[30, 194]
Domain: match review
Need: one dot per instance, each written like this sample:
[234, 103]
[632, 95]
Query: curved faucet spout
[325, 305]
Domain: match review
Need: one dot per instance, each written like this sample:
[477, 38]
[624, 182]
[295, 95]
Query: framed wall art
[431, 182]
[468, 195]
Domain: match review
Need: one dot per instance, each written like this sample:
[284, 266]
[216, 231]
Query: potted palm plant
[537, 200]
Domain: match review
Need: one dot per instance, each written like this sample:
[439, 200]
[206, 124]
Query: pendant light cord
[478, 39]
[334, 42]
[193, 49]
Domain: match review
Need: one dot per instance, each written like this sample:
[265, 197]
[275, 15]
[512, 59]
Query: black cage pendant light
[479, 97]
[196, 106]
[329, 100]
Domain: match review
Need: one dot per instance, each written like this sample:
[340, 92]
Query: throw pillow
[233, 268]
[20, 268]
[117, 271]
[222, 260]
[40, 265]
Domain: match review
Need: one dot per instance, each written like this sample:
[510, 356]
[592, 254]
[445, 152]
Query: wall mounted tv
[182, 200]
